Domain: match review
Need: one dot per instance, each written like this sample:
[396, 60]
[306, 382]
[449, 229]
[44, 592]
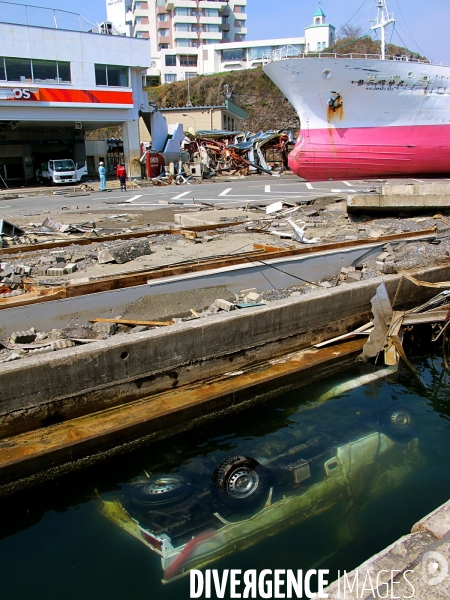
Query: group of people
[121, 175]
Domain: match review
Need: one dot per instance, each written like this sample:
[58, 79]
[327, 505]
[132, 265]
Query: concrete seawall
[48, 389]
[403, 197]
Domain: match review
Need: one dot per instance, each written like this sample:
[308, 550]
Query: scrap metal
[238, 152]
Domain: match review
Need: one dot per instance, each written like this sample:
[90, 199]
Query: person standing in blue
[102, 173]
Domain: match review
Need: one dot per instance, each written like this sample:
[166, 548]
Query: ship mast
[383, 20]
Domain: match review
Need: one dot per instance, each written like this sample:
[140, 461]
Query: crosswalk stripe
[133, 198]
[180, 195]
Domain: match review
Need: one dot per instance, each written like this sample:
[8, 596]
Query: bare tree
[352, 32]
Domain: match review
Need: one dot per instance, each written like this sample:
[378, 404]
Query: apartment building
[201, 37]
[180, 23]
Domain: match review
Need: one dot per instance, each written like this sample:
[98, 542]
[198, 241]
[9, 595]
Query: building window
[181, 12]
[171, 60]
[239, 23]
[21, 69]
[188, 60]
[259, 52]
[111, 75]
[182, 42]
[138, 20]
[183, 27]
[163, 46]
[163, 18]
[239, 9]
[212, 28]
[163, 32]
[170, 77]
[139, 34]
[18, 69]
[211, 12]
[161, 3]
[235, 54]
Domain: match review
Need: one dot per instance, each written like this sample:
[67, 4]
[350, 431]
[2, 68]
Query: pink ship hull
[339, 153]
[366, 117]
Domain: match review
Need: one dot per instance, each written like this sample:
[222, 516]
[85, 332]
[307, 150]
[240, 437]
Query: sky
[422, 26]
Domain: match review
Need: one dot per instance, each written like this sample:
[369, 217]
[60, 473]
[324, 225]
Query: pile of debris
[217, 152]
[11, 279]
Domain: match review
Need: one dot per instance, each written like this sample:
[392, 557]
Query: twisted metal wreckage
[241, 153]
[208, 153]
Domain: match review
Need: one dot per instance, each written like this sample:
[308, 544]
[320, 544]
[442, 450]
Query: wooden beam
[133, 322]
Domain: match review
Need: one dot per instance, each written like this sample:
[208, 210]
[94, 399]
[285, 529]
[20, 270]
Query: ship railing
[286, 52]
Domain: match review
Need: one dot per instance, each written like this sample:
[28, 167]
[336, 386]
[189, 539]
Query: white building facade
[202, 37]
[55, 84]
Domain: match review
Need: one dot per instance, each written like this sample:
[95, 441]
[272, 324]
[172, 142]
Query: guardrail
[13, 13]
[292, 52]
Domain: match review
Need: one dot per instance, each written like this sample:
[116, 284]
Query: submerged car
[206, 510]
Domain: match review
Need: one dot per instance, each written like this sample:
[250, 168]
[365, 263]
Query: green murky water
[55, 544]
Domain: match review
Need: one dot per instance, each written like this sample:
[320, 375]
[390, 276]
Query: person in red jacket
[121, 175]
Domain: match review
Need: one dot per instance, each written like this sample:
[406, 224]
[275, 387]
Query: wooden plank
[363, 330]
[133, 322]
[81, 241]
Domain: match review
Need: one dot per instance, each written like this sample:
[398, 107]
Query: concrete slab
[415, 566]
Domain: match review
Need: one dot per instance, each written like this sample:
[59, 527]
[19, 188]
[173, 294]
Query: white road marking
[225, 192]
[180, 195]
[347, 183]
[158, 205]
[309, 186]
[133, 198]
[267, 189]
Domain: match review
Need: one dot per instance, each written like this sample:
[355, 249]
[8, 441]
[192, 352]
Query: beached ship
[366, 115]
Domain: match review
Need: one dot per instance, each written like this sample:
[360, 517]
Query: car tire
[239, 481]
[399, 424]
[161, 491]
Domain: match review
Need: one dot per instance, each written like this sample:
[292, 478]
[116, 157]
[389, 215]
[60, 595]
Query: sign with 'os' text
[67, 96]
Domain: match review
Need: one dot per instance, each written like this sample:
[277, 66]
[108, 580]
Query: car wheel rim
[243, 483]
[400, 418]
[161, 486]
